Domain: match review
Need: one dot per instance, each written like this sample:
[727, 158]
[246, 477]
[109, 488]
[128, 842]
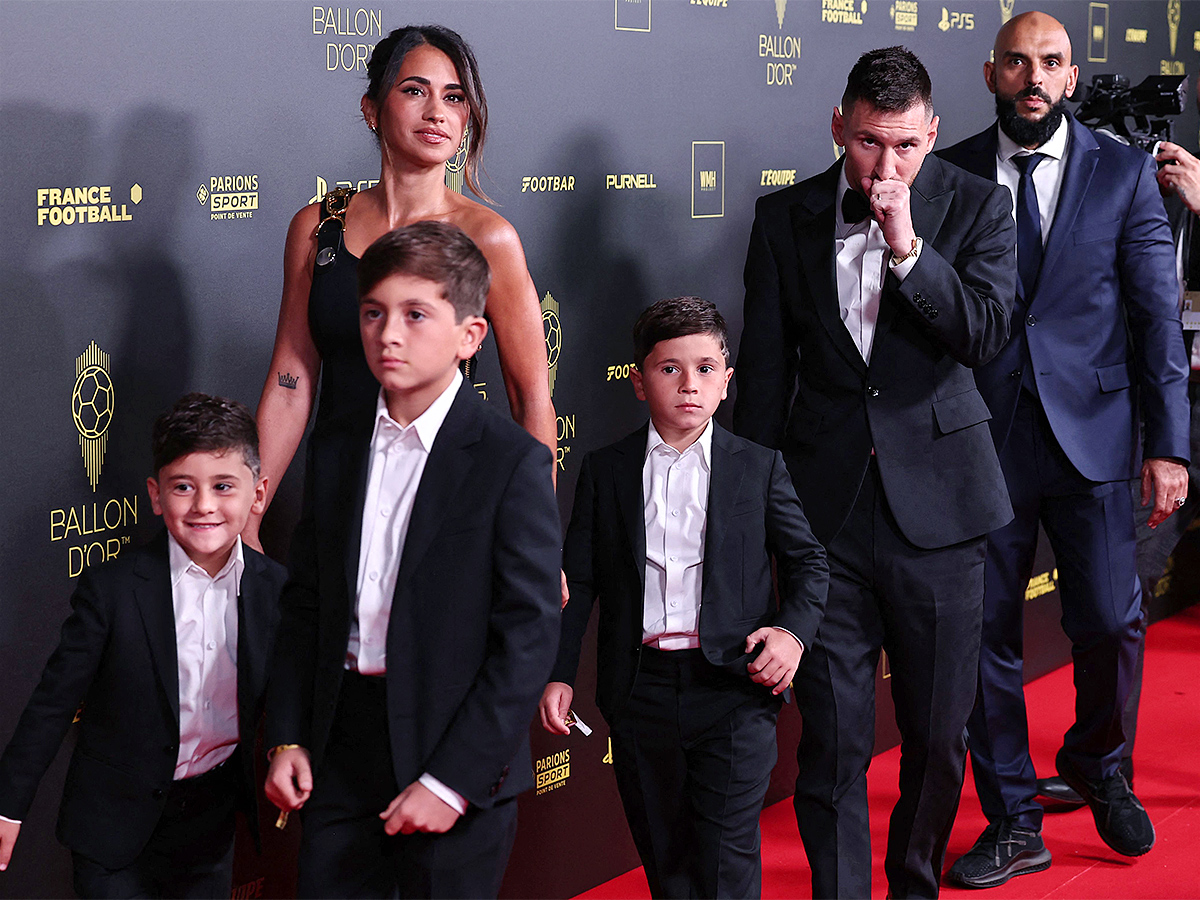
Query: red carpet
[1167, 763]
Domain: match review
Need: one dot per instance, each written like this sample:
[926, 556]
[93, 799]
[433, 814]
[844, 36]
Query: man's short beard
[1024, 132]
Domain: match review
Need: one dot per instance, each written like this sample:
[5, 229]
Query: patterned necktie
[1029, 224]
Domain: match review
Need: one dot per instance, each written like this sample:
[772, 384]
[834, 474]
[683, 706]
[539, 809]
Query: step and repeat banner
[153, 153]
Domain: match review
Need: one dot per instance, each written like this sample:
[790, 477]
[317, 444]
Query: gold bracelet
[279, 749]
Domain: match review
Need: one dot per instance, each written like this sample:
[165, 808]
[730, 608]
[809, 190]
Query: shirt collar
[1055, 148]
[702, 446]
[427, 424]
[181, 563]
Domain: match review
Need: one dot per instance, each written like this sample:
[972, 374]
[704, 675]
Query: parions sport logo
[229, 196]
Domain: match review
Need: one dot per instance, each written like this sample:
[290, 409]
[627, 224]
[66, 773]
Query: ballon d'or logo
[1174, 13]
[553, 331]
[92, 404]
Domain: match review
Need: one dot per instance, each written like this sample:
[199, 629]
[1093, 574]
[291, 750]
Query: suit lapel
[1082, 155]
[253, 619]
[450, 461]
[627, 481]
[350, 507]
[929, 202]
[725, 483]
[813, 224]
[979, 153]
[153, 596]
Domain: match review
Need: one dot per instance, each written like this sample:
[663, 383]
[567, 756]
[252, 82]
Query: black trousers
[190, 853]
[693, 751]
[1091, 529]
[923, 608]
[344, 851]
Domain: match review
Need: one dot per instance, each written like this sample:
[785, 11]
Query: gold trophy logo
[553, 331]
[92, 404]
[780, 10]
[1174, 12]
[1006, 10]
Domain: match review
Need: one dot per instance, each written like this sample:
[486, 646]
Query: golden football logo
[780, 10]
[1006, 10]
[92, 404]
[553, 331]
[1174, 12]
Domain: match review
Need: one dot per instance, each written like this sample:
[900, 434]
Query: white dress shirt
[206, 638]
[861, 255]
[1047, 177]
[398, 454]
[675, 493]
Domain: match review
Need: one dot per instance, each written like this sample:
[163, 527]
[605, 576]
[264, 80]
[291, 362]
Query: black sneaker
[1120, 817]
[1002, 851]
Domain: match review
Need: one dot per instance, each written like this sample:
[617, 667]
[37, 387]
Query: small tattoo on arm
[288, 380]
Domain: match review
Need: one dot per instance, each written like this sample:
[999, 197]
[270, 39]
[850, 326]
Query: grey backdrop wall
[152, 154]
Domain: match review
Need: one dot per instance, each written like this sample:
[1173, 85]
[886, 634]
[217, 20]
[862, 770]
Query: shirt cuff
[785, 631]
[447, 795]
[901, 271]
[9, 821]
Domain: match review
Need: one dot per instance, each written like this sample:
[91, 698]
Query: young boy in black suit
[421, 618]
[167, 649]
[674, 529]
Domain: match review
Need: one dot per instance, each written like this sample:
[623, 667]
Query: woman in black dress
[425, 103]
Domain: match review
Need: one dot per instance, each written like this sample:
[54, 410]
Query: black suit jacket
[803, 387]
[474, 619]
[753, 514]
[1101, 326]
[117, 656]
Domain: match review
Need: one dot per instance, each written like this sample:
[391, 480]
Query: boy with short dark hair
[421, 618]
[674, 529]
[167, 647]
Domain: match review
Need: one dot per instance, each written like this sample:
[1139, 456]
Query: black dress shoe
[1059, 792]
[1002, 851]
[1120, 817]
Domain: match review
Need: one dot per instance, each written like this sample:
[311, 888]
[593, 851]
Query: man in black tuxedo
[872, 290]
[1096, 347]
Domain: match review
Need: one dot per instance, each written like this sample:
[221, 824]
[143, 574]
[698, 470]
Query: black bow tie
[855, 207]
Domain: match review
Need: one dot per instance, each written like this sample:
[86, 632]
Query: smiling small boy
[166, 648]
[674, 529]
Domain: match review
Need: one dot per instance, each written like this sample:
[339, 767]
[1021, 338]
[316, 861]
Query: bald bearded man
[1095, 341]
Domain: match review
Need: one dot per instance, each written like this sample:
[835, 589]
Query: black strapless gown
[348, 390]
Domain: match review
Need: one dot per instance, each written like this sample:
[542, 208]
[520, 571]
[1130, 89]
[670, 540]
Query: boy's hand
[289, 780]
[418, 809]
[776, 664]
[556, 703]
[8, 837]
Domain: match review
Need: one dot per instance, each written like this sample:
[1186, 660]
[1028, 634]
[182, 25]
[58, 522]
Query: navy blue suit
[1095, 343]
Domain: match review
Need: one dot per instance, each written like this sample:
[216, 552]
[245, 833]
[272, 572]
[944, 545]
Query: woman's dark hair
[388, 56]
[436, 251]
[202, 423]
[677, 317]
[891, 79]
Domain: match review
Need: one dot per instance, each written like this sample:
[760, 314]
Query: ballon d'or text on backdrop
[347, 22]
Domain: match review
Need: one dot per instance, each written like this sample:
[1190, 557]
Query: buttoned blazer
[1101, 327]
[117, 656]
[803, 387]
[473, 627]
[753, 516]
